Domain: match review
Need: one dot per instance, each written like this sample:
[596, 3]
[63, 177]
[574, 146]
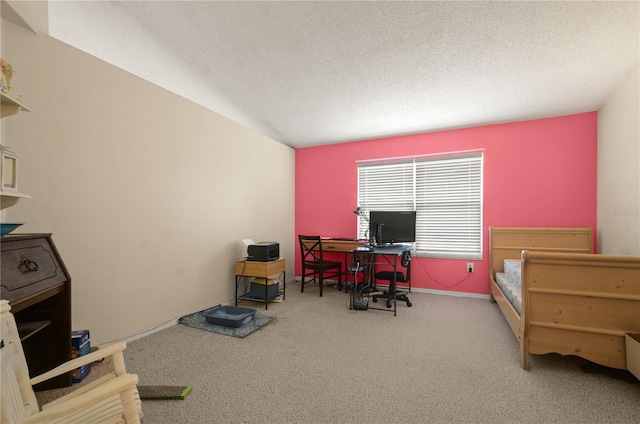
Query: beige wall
[148, 195]
[32, 14]
[619, 170]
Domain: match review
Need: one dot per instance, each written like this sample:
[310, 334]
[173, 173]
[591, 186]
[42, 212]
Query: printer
[263, 251]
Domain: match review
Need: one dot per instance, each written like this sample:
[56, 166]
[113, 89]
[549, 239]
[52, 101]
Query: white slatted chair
[112, 398]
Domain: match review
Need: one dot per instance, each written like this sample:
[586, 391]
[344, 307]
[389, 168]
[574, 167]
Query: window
[445, 192]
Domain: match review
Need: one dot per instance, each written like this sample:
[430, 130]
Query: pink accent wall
[540, 173]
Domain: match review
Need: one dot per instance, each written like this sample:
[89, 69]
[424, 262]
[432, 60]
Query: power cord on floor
[365, 288]
[441, 283]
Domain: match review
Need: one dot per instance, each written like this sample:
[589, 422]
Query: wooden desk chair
[110, 399]
[314, 265]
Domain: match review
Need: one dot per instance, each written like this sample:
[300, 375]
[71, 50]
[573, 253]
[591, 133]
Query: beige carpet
[445, 360]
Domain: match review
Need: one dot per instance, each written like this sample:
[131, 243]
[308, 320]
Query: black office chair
[314, 265]
[400, 277]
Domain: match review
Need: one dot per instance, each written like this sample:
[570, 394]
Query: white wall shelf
[10, 198]
[11, 106]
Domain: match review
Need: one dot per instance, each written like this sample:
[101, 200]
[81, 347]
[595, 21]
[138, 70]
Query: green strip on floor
[164, 392]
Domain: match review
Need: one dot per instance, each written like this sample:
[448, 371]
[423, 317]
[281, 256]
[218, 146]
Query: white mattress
[511, 290]
[512, 267]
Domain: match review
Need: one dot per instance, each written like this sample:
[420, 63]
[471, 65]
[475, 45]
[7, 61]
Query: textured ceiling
[319, 72]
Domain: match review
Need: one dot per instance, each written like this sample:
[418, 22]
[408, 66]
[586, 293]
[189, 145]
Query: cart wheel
[375, 299]
[388, 303]
[408, 303]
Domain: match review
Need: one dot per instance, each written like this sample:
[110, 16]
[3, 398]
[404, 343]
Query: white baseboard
[452, 293]
[429, 291]
[443, 292]
[161, 327]
[150, 331]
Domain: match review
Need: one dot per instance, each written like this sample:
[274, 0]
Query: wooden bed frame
[573, 302]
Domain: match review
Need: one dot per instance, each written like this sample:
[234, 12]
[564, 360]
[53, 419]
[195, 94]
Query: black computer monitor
[394, 226]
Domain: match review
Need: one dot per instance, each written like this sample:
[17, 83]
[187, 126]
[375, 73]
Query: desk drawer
[260, 269]
[28, 266]
[340, 245]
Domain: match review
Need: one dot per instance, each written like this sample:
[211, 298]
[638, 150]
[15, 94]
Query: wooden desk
[345, 246]
[338, 245]
[261, 270]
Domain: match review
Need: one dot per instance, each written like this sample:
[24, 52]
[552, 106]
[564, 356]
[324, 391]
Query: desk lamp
[361, 213]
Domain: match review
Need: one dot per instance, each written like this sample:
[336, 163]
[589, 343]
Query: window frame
[404, 191]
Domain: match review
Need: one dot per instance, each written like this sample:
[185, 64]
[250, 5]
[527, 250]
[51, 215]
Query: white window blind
[445, 192]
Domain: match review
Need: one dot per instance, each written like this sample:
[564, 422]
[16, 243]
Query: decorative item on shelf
[6, 76]
[8, 170]
[6, 228]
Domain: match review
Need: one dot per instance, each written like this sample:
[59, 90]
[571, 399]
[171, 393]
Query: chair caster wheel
[409, 303]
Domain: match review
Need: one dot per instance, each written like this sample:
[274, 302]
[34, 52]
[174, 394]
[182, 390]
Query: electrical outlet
[469, 266]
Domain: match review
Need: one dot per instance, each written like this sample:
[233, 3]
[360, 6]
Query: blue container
[80, 345]
[259, 291]
[230, 316]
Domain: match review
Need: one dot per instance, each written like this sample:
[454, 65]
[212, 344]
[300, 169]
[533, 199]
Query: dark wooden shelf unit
[38, 287]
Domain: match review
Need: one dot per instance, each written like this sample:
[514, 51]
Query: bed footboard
[508, 243]
[580, 304]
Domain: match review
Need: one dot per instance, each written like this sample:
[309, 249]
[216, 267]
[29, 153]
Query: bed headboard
[509, 242]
